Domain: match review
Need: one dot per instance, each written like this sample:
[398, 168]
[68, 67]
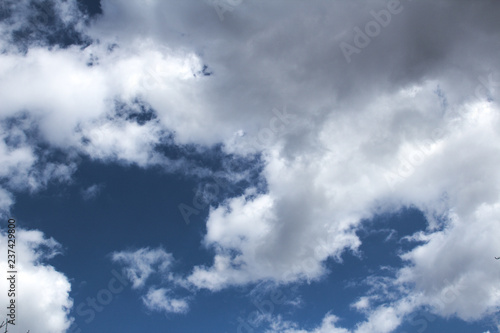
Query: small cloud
[141, 264]
[92, 191]
[363, 303]
[159, 300]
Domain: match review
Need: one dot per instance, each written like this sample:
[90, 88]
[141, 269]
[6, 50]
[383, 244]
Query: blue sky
[251, 166]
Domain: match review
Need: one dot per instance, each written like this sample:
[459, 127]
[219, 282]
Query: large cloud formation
[407, 116]
[42, 293]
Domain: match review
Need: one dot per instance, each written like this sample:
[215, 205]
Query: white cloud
[17, 159]
[6, 199]
[38, 20]
[442, 276]
[140, 264]
[121, 140]
[327, 326]
[457, 280]
[42, 293]
[362, 303]
[24, 166]
[383, 319]
[158, 300]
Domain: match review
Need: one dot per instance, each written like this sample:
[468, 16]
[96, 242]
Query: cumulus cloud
[452, 279]
[442, 276]
[26, 166]
[37, 280]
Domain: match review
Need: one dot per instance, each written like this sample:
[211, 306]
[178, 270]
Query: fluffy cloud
[37, 280]
[452, 279]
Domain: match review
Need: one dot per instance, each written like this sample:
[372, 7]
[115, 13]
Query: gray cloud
[411, 120]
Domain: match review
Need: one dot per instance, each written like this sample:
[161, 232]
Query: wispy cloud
[140, 264]
[159, 300]
[92, 191]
